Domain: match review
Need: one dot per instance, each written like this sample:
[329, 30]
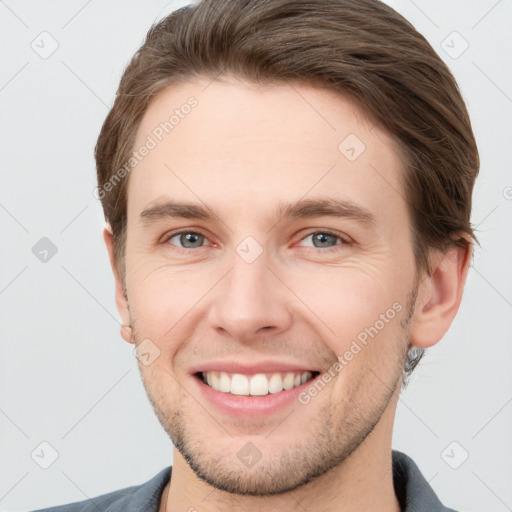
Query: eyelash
[343, 239]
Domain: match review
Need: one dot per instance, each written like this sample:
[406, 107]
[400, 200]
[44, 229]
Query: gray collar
[413, 491]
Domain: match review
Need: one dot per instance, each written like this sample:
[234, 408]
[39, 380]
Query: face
[267, 237]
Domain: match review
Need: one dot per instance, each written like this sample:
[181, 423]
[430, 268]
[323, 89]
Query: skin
[241, 151]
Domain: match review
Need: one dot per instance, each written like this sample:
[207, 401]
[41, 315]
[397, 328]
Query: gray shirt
[412, 490]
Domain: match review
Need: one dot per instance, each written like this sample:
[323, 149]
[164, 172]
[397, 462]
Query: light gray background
[67, 377]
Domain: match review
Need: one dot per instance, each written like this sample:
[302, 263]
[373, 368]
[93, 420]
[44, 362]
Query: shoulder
[411, 488]
[130, 499]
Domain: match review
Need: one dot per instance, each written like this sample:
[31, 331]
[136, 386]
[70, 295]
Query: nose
[250, 301]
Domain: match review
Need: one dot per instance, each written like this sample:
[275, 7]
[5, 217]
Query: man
[287, 188]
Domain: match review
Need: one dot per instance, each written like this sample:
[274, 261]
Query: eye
[325, 239]
[187, 239]
[319, 239]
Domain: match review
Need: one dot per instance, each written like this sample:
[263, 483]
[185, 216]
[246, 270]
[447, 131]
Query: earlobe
[439, 297]
[120, 290]
[126, 333]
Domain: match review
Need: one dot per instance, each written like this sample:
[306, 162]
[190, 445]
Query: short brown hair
[362, 49]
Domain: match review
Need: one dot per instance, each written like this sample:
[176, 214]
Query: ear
[439, 296]
[121, 297]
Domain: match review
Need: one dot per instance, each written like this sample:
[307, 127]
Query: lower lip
[251, 406]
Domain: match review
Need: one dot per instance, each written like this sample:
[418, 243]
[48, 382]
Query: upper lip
[231, 366]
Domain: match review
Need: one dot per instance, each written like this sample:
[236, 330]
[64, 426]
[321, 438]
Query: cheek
[346, 298]
[359, 311]
[162, 296]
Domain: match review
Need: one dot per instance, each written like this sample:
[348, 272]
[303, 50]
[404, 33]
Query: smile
[259, 384]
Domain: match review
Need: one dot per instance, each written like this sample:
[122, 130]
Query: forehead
[261, 145]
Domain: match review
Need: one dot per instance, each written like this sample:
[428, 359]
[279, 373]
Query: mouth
[258, 384]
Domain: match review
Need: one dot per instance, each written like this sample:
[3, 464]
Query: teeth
[288, 381]
[275, 383]
[239, 384]
[258, 385]
[255, 385]
[224, 383]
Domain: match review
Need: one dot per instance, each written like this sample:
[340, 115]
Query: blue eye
[188, 239]
[319, 240]
[325, 239]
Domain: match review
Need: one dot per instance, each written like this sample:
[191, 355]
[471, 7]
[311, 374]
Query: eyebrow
[301, 209]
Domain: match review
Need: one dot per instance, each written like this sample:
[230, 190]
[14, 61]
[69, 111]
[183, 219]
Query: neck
[363, 481]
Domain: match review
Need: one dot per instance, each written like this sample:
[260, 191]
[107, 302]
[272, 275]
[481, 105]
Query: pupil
[191, 238]
[323, 238]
